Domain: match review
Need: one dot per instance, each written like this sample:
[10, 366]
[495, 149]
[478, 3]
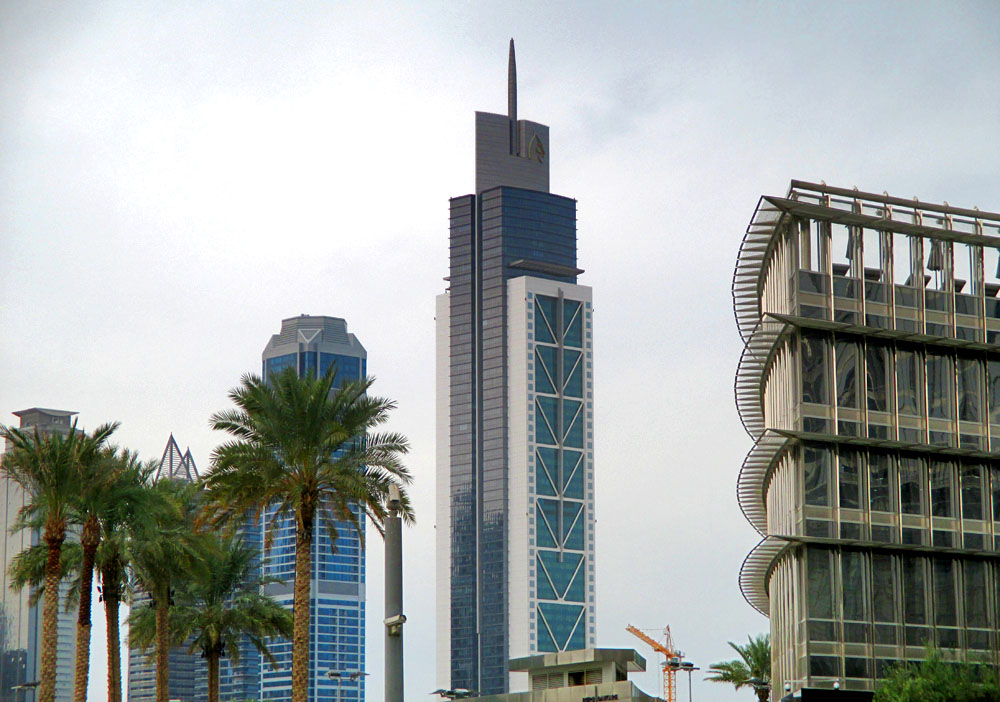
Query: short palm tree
[751, 669]
[136, 513]
[301, 448]
[49, 470]
[217, 608]
[162, 553]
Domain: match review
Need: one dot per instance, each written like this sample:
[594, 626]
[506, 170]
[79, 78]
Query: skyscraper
[870, 384]
[184, 667]
[515, 496]
[21, 622]
[337, 607]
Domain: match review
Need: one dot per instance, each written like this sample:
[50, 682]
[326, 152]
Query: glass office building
[20, 621]
[337, 606]
[515, 503]
[870, 384]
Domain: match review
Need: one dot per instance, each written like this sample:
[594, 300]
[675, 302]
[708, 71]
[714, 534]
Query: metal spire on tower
[511, 84]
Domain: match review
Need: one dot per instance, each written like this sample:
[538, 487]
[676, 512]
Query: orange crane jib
[672, 661]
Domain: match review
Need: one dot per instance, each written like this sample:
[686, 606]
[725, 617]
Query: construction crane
[673, 659]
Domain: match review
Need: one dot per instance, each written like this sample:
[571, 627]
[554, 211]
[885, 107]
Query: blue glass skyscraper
[515, 517]
[337, 605]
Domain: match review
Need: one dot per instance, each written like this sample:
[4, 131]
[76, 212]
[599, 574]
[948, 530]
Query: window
[940, 386]
[914, 605]
[847, 373]
[909, 383]
[815, 387]
[944, 592]
[970, 390]
[883, 588]
[976, 605]
[877, 375]
[972, 492]
[993, 370]
[816, 464]
[850, 480]
[819, 573]
[911, 485]
[879, 483]
[942, 490]
[853, 575]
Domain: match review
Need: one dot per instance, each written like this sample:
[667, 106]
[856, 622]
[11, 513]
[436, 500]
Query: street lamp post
[339, 675]
[394, 617]
[690, 668]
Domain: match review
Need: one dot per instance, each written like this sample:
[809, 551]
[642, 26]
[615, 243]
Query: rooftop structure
[585, 675]
[870, 385]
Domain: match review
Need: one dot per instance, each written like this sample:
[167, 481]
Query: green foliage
[937, 680]
[751, 669]
[218, 606]
[306, 450]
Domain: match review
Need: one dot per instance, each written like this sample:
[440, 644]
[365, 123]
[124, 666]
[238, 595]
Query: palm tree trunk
[213, 674]
[89, 539]
[54, 537]
[162, 647]
[300, 604]
[110, 581]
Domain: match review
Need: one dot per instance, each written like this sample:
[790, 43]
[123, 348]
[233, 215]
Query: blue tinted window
[572, 373]
[274, 366]
[545, 470]
[546, 522]
[573, 473]
[545, 420]
[573, 322]
[545, 369]
[573, 419]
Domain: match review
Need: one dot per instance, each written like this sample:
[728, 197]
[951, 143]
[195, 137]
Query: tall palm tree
[48, 469]
[751, 669]
[303, 450]
[108, 487]
[218, 607]
[163, 553]
[136, 513]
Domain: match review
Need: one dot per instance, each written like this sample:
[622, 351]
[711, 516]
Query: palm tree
[302, 450]
[217, 608]
[108, 488]
[136, 513]
[162, 553]
[48, 469]
[751, 669]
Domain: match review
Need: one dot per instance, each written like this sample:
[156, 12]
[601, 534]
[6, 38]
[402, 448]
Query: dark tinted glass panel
[573, 322]
[822, 631]
[972, 492]
[995, 487]
[883, 534]
[883, 588]
[914, 606]
[942, 490]
[940, 386]
[977, 612]
[857, 667]
[815, 384]
[879, 483]
[944, 592]
[993, 379]
[824, 666]
[850, 531]
[813, 282]
[911, 485]
[820, 599]
[850, 479]
[853, 580]
[847, 373]
[970, 393]
[817, 476]
[909, 383]
[877, 371]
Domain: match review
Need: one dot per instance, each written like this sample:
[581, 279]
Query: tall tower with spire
[515, 473]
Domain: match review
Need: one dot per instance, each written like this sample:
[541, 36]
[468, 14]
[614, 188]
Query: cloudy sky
[176, 178]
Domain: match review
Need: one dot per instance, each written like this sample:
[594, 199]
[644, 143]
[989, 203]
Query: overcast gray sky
[176, 178]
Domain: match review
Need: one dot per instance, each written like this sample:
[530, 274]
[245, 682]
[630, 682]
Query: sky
[176, 178]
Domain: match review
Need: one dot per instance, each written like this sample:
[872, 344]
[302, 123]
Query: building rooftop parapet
[628, 659]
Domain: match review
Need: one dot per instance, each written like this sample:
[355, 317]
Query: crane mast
[672, 659]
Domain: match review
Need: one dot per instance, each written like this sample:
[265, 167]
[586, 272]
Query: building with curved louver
[870, 385]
